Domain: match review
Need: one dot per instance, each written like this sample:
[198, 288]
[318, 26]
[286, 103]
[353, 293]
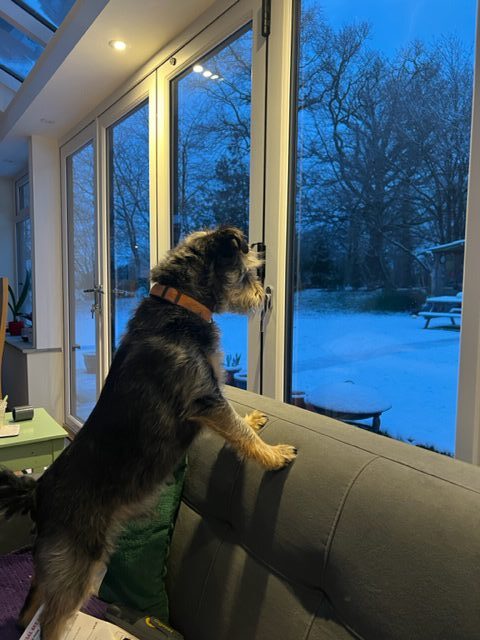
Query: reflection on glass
[82, 234]
[50, 12]
[384, 106]
[129, 217]
[18, 53]
[212, 162]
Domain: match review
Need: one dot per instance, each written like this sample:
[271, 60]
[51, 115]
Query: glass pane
[18, 53]
[23, 197]
[50, 12]
[82, 235]
[24, 263]
[384, 107]
[129, 217]
[212, 162]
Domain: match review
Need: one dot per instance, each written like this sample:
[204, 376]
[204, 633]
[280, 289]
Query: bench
[452, 314]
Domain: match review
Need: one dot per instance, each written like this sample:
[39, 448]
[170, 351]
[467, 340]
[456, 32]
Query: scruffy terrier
[164, 385]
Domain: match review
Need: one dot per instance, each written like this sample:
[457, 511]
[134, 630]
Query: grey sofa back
[362, 537]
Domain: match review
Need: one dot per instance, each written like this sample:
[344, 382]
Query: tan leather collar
[177, 297]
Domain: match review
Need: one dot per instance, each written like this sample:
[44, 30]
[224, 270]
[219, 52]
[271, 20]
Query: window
[23, 233]
[211, 106]
[82, 272]
[18, 53]
[383, 115]
[129, 217]
[50, 12]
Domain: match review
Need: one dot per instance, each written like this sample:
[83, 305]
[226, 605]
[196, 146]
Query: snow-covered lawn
[414, 369]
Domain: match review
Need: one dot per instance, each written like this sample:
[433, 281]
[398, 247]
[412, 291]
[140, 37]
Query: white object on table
[80, 627]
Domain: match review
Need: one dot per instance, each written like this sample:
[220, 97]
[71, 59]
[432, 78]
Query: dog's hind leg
[66, 575]
[241, 434]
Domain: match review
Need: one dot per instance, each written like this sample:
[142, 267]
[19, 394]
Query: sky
[397, 22]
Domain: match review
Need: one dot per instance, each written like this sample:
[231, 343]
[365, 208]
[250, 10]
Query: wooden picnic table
[441, 307]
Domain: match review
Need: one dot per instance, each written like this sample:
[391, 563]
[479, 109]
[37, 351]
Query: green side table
[38, 444]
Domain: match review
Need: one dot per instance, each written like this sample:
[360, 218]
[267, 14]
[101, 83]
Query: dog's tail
[17, 494]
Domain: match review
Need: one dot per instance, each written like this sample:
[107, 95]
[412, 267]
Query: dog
[164, 386]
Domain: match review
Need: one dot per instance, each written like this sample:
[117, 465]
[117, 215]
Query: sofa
[361, 537]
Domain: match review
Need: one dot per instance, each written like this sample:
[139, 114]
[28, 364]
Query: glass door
[84, 290]
[216, 167]
[127, 134]
[129, 217]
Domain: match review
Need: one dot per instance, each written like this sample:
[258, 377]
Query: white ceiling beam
[25, 22]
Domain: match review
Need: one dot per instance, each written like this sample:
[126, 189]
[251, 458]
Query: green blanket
[136, 572]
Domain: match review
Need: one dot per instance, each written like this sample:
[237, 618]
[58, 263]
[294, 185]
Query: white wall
[45, 212]
[7, 229]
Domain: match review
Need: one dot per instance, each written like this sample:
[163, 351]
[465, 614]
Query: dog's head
[216, 268]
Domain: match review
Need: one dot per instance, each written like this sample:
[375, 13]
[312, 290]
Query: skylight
[26, 27]
[18, 53]
[50, 12]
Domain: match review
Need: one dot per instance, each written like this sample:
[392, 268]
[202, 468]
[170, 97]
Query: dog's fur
[164, 385]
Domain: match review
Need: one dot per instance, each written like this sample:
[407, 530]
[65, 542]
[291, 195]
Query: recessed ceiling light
[47, 121]
[214, 77]
[207, 73]
[118, 45]
[198, 68]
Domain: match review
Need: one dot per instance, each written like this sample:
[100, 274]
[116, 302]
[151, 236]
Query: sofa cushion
[136, 571]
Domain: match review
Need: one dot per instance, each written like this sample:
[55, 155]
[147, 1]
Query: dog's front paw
[256, 419]
[280, 456]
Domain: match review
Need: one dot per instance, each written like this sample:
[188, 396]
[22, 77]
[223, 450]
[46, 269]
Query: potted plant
[231, 367]
[15, 326]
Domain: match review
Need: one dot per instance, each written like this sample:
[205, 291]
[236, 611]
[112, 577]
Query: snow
[348, 397]
[413, 369]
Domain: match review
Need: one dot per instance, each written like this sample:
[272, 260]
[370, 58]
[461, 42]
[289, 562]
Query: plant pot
[240, 380]
[229, 374]
[90, 360]
[15, 328]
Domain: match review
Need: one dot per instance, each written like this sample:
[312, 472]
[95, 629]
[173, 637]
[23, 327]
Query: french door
[213, 97]
[84, 293]
[110, 239]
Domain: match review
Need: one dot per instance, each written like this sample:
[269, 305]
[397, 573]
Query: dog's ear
[227, 243]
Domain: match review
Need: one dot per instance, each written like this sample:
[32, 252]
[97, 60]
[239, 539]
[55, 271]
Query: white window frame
[467, 445]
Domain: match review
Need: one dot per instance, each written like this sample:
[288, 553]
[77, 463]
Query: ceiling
[78, 69]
